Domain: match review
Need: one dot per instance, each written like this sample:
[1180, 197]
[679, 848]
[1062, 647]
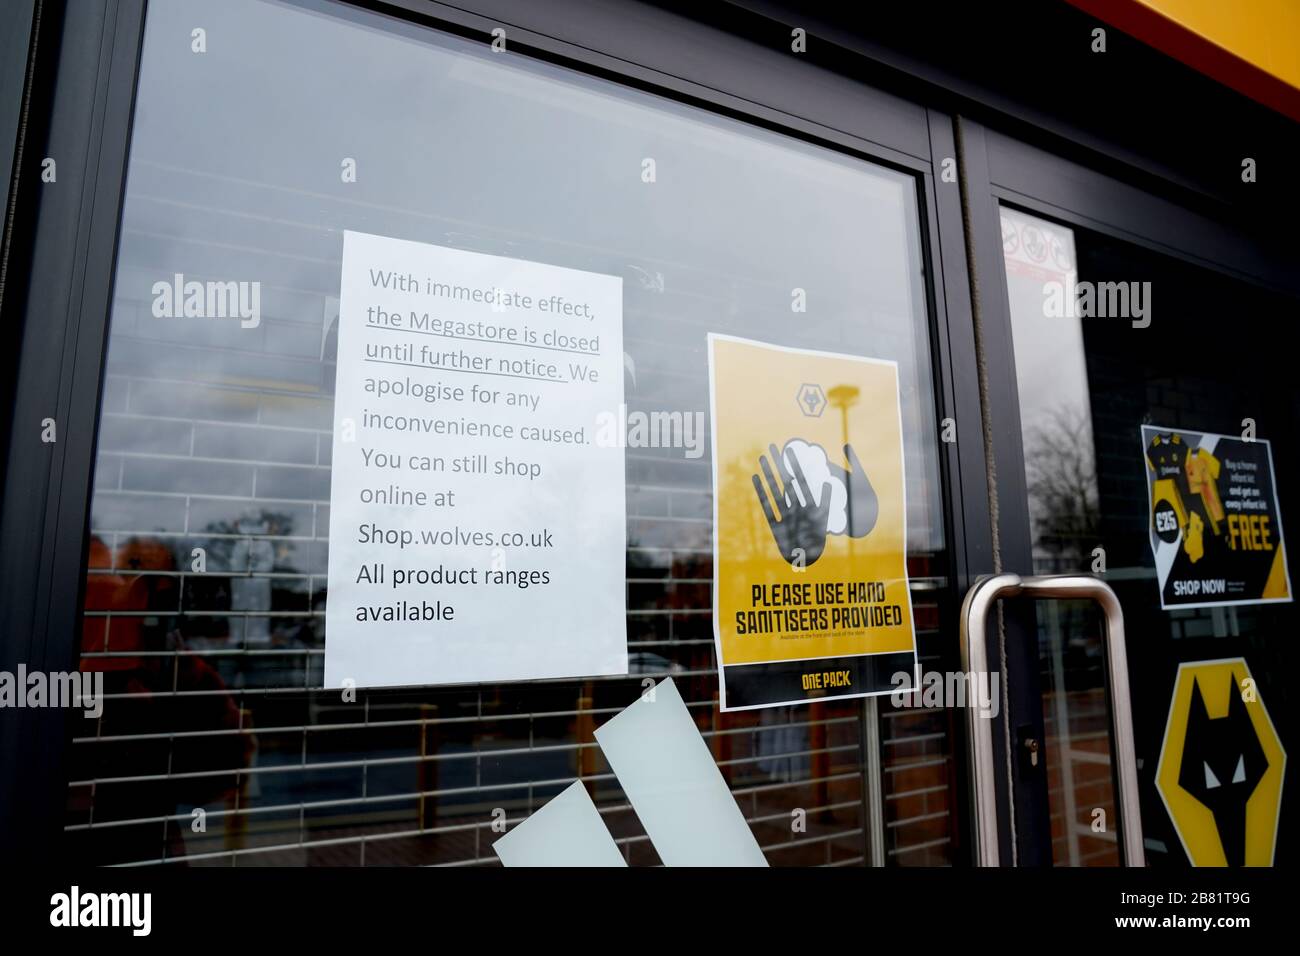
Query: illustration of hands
[796, 517]
[863, 505]
[814, 498]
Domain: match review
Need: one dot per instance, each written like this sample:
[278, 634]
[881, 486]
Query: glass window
[215, 440]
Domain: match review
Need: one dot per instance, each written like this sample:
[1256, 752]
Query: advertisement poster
[1216, 527]
[477, 530]
[811, 598]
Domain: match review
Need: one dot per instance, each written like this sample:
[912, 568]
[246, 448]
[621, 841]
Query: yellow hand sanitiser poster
[811, 597]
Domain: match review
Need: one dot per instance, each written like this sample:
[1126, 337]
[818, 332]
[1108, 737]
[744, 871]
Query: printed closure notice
[811, 597]
[477, 529]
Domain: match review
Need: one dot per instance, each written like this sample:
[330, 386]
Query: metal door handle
[974, 656]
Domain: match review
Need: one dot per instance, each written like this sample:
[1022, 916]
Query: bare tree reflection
[1061, 472]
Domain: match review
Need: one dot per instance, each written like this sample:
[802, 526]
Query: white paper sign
[477, 529]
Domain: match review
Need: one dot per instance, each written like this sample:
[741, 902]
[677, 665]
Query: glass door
[1157, 408]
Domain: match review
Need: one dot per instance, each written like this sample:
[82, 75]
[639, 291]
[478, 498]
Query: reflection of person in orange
[102, 588]
[138, 592]
[144, 634]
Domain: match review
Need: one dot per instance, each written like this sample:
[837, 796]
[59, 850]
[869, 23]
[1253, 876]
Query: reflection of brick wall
[919, 788]
[1076, 727]
[922, 804]
[1083, 769]
[218, 437]
[208, 671]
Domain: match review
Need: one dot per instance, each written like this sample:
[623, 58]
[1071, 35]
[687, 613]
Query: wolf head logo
[1223, 762]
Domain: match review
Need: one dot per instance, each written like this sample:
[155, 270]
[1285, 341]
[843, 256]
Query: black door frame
[1002, 169]
[66, 249]
[60, 265]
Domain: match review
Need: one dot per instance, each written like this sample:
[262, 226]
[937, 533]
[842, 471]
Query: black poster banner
[1216, 528]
